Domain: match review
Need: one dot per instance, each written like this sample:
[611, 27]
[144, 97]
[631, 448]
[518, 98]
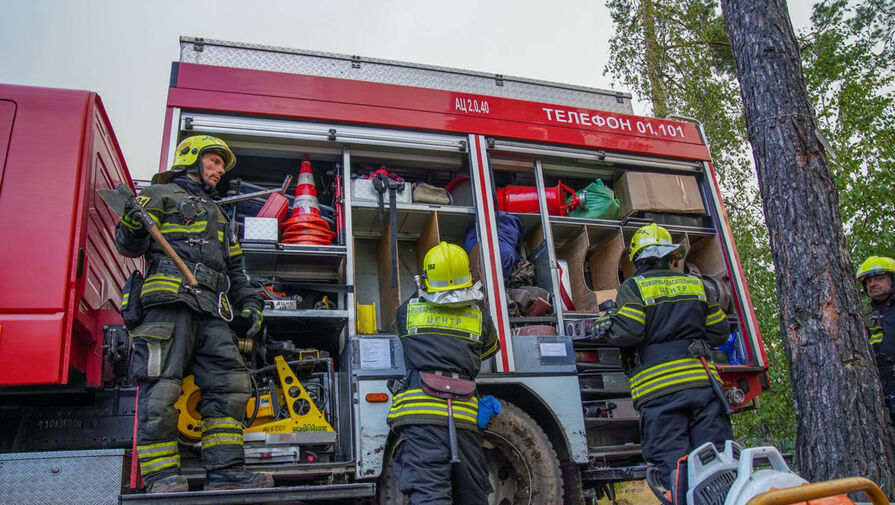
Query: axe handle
[171, 253]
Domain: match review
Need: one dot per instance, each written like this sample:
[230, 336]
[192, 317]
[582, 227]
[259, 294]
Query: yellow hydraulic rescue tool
[303, 415]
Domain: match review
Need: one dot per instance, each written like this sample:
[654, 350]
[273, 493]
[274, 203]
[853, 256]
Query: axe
[117, 200]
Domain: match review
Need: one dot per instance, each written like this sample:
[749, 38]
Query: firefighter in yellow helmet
[178, 330]
[877, 278]
[665, 321]
[445, 336]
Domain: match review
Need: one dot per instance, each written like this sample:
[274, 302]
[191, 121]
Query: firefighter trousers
[424, 472]
[673, 425]
[174, 341]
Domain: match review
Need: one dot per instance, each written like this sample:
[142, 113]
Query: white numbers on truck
[613, 123]
[471, 105]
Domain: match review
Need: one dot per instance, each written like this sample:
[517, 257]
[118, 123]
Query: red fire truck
[498, 148]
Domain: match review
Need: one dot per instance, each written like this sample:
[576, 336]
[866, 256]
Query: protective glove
[601, 327]
[132, 219]
[699, 348]
[254, 315]
[488, 408]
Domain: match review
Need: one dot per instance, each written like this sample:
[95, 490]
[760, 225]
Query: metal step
[614, 451]
[246, 496]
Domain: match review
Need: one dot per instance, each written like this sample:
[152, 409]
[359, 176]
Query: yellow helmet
[446, 267]
[651, 235]
[190, 150]
[875, 265]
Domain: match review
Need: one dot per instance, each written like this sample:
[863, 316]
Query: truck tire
[524, 469]
[523, 465]
[387, 487]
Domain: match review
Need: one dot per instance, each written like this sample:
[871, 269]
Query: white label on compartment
[375, 353]
[553, 349]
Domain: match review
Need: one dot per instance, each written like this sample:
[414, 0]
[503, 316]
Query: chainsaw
[754, 476]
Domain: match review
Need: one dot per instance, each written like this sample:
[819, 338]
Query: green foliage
[848, 57]
[849, 63]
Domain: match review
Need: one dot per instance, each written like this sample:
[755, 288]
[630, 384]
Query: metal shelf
[628, 224]
[253, 247]
[295, 262]
[312, 328]
[412, 220]
[304, 314]
[525, 319]
[416, 207]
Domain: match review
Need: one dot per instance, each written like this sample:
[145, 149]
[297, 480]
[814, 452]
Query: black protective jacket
[880, 323]
[197, 228]
[659, 313]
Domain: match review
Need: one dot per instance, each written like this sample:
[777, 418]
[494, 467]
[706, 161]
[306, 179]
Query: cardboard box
[640, 191]
[261, 229]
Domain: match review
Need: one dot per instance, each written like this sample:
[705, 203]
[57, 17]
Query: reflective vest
[437, 338]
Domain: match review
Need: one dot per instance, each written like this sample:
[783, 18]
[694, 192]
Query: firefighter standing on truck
[877, 278]
[666, 321]
[184, 330]
[444, 335]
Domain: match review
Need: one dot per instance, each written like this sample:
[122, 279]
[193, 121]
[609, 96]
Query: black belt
[663, 351]
[207, 277]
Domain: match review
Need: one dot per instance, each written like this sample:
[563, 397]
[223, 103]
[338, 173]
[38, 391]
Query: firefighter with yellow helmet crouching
[666, 322]
[877, 278]
[178, 329]
[435, 412]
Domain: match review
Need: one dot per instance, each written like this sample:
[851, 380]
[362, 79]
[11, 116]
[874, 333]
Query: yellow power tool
[303, 416]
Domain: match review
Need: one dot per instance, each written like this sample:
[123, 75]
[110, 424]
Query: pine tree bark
[843, 428]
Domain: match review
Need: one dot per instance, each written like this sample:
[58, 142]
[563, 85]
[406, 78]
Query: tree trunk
[653, 56]
[843, 428]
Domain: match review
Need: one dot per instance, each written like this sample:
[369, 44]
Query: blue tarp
[509, 231]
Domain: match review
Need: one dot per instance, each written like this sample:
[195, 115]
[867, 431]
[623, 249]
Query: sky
[123, 49]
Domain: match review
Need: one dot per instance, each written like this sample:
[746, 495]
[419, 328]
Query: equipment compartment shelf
[416, 207]
[453, 221]
[304, 314]
[532, 320]
[313, 329]
[301, 262]
[629, 224]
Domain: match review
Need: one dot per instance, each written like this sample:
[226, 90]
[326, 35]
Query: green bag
[596, 202]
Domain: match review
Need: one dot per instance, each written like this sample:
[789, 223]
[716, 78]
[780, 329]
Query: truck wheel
[523, 466]
[387, 487]
[524, 469]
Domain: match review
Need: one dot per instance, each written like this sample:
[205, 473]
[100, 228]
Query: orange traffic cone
[305, 226]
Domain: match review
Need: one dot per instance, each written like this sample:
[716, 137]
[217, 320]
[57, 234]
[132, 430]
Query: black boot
[171, 484]
[236, 478]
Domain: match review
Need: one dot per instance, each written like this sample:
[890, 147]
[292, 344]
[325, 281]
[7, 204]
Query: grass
[632, 493]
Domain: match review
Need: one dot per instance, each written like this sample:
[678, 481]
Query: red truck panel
[242, 91]
[56, 281]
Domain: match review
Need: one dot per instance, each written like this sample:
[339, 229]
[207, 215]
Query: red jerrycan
[524, 199]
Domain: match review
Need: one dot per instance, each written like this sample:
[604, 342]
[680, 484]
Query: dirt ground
[632, 493]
